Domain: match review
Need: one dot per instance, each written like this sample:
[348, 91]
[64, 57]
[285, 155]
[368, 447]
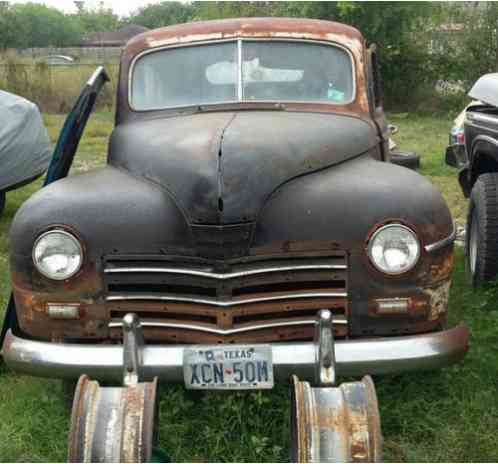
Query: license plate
[233, 367]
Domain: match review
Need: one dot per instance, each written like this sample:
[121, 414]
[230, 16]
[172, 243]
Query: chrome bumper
[352, 357]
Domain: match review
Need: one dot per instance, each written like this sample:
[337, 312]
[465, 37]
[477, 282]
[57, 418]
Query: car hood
[222, 167]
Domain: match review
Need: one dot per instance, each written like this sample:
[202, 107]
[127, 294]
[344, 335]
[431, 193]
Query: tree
[473, 51]
[402, 31]
[98, 20]
[35, 25]
[163, 14]
[219, 10]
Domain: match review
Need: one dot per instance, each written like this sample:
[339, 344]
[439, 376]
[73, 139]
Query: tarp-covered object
[486, 89]
[25, 149]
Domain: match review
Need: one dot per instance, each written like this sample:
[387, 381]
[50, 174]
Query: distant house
[115, 38]
[445, 35]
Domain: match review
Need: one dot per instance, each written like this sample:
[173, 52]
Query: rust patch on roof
[245, 27]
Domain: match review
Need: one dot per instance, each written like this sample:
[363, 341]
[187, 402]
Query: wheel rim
[473, 243]
[335, 424]
[113, 424]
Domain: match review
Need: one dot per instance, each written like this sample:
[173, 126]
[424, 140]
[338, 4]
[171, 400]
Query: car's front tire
[481, 238]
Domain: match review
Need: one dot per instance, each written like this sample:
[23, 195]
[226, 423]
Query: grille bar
[225, 303]
[214, 330]
[224, 276]
[256, 299]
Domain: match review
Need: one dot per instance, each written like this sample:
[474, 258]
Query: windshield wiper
[214, 107]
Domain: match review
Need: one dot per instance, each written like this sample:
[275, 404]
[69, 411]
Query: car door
[73, 127]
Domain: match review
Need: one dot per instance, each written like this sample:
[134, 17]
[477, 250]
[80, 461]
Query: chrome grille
[193, 301]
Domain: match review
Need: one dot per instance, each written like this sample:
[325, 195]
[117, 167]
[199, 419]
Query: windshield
[242, 71]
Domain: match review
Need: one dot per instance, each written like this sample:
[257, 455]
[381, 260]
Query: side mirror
[451, 157]
[456, 156]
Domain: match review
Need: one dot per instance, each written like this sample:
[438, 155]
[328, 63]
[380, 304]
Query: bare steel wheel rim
[473, 239]
[112, 424]
[335, 424]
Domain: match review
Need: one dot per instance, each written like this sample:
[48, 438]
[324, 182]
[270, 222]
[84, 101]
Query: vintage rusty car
[248, 193]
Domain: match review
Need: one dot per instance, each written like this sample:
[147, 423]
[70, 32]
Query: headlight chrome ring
[394, 249]
[57, 254]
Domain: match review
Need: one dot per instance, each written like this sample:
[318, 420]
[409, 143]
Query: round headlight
[394, 249]
[57, 254]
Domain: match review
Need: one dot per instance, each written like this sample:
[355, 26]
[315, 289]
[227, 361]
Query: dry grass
[54, 88]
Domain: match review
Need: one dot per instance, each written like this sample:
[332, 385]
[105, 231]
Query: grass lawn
[450, 415]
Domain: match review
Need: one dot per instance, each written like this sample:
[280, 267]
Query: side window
[378, 93]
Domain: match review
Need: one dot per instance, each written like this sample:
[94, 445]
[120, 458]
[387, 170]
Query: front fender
[110, 211]
[342, 204]
[339, 208]
[484, 151]
[100, 206]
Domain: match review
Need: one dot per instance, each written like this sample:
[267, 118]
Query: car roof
[311, 29]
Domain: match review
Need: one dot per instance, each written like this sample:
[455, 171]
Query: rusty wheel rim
[375, 431]
[305, 431]
[298, 423]
[333, 424]
[113, 424]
